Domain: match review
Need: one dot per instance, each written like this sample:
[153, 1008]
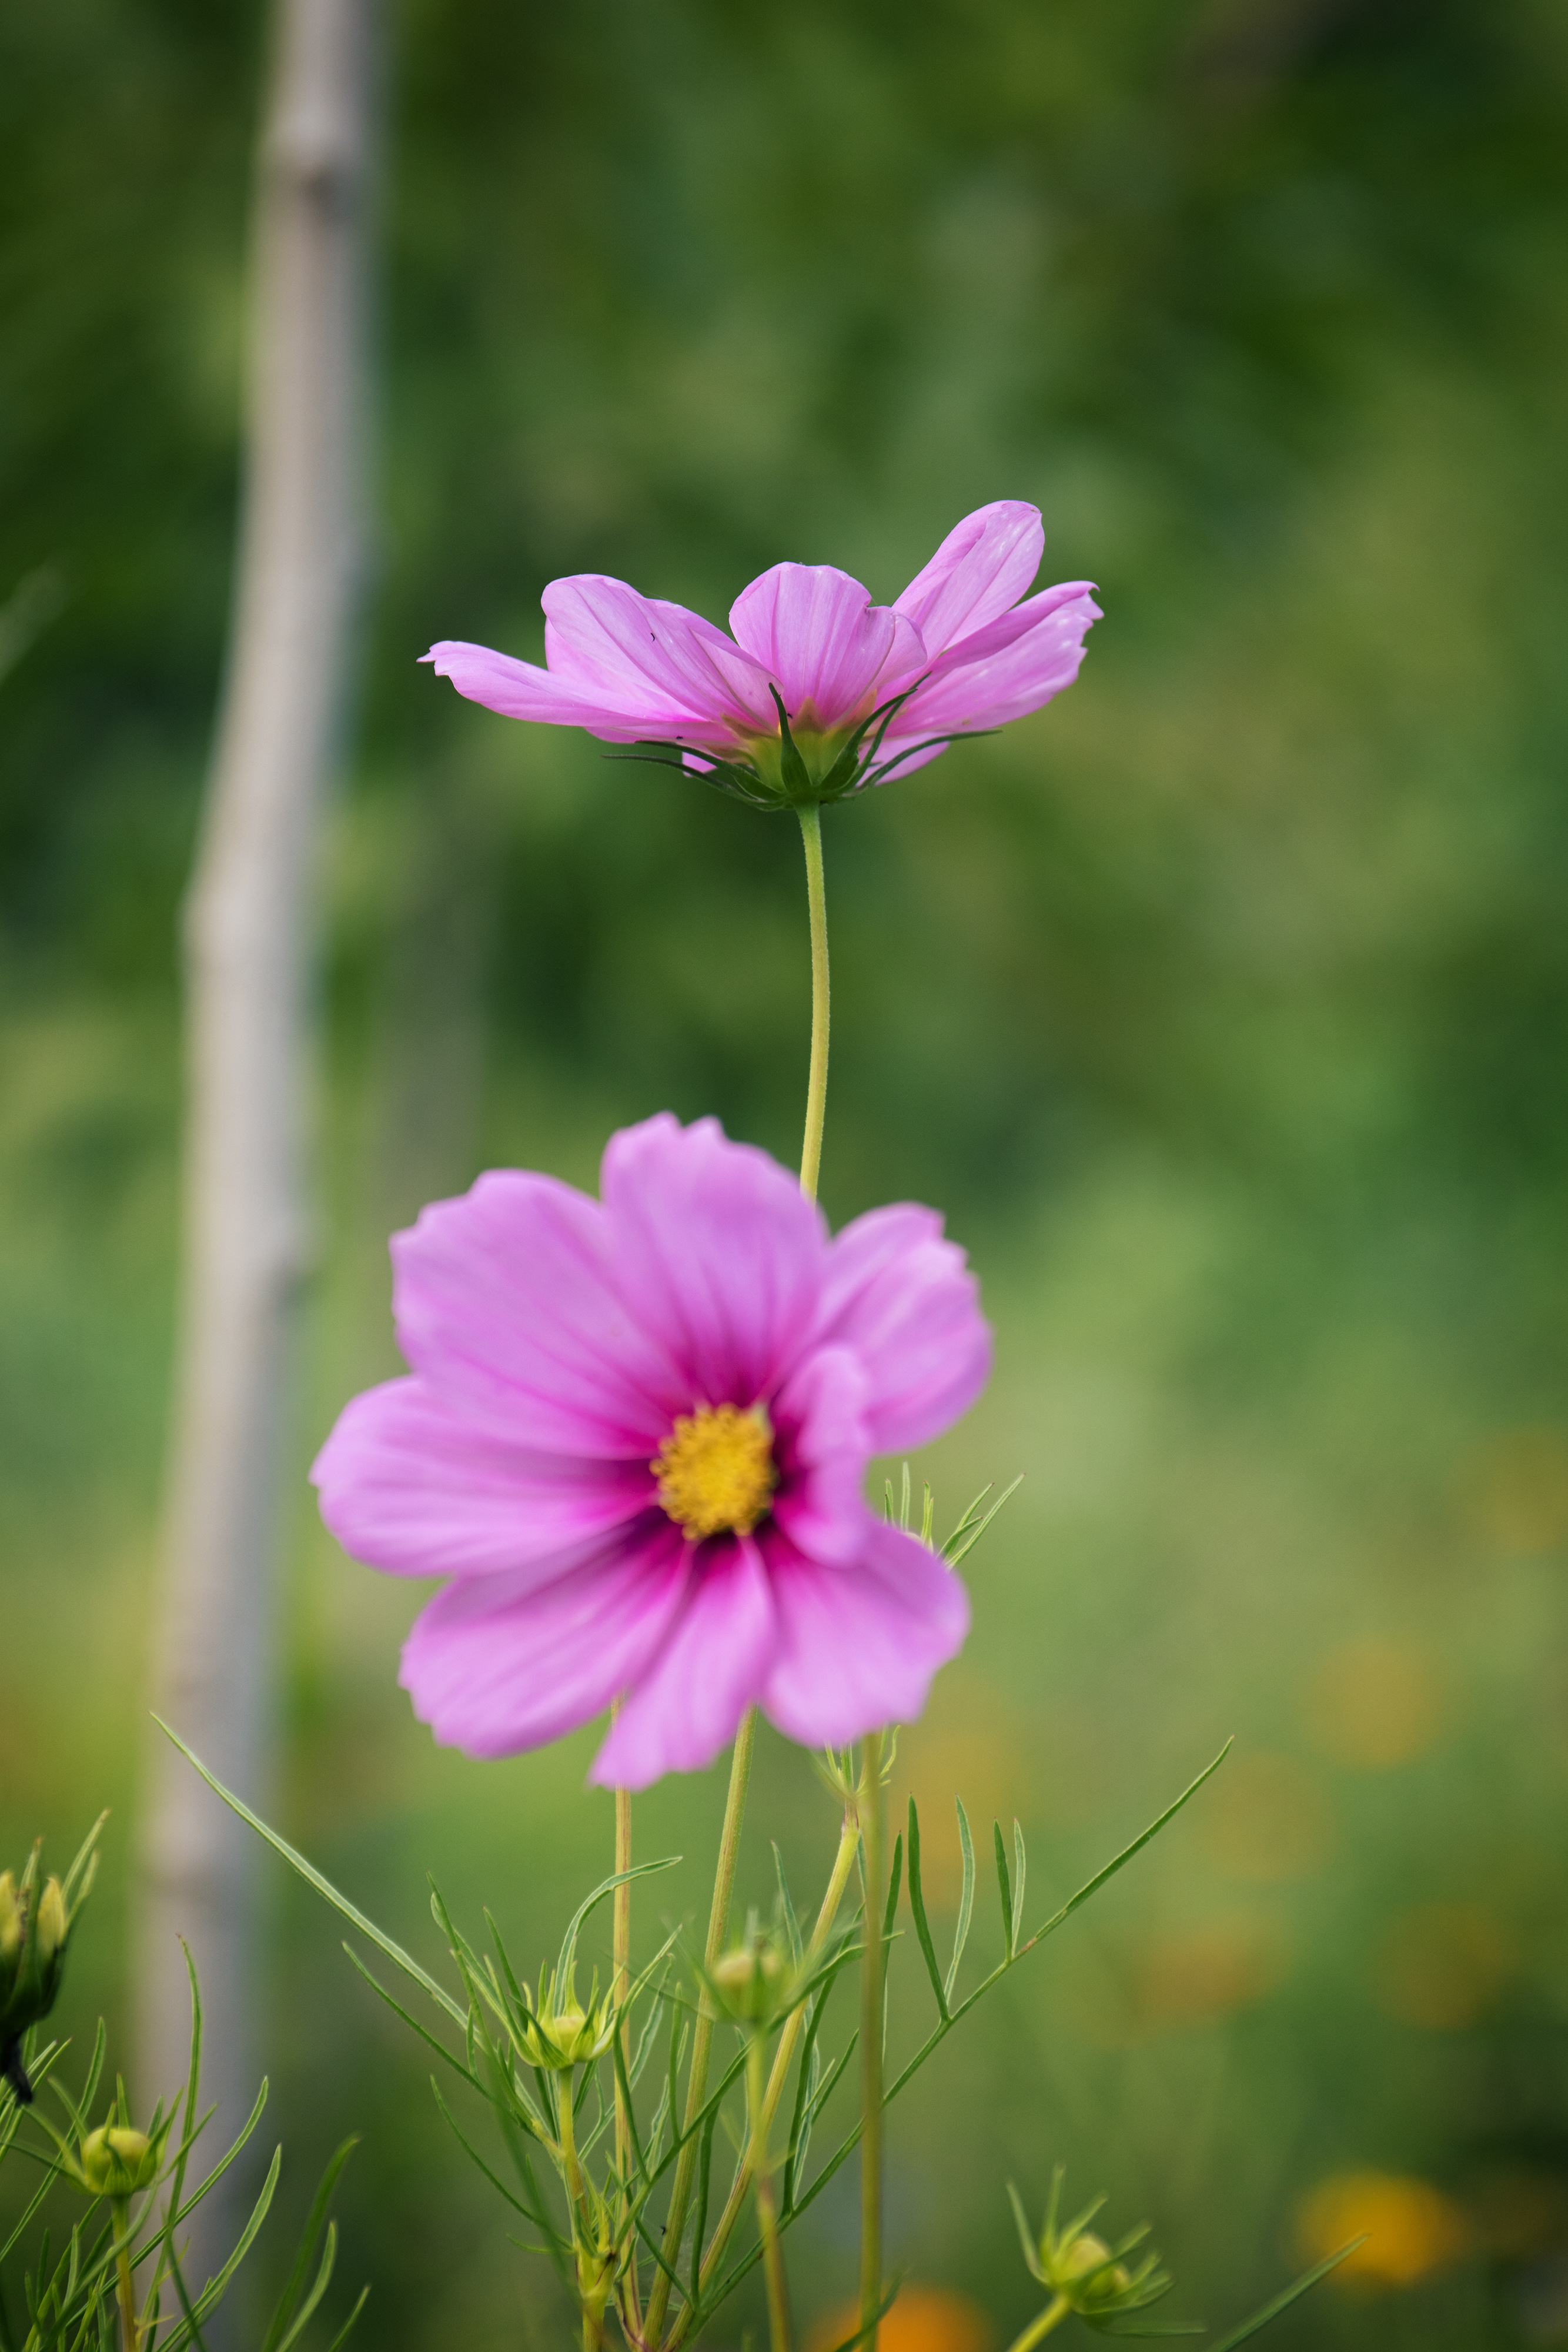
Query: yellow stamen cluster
[716, 1471]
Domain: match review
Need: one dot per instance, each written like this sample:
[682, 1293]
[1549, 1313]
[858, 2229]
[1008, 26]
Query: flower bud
[52, 1926]
[34, 1929]
[1088, 2276]
[13, 1920]
[117, 2161]
[748, 1981]
[563, 2033]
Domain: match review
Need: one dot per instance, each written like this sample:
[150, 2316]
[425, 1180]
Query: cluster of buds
[1095, 2279]
[35, 1923]
[563, 2032]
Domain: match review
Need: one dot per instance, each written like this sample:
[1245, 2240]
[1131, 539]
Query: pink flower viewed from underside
[635, 1438]
[817, 692]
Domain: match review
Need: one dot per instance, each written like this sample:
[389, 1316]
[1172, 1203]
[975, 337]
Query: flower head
[817, 692]
[635, 1438]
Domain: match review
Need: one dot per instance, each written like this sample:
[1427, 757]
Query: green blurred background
[1222, 1007]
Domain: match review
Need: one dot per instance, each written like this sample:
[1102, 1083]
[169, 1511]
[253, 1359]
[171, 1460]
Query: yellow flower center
[716, 1471]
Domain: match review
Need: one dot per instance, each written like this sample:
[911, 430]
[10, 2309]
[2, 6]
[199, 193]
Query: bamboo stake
[249, 941]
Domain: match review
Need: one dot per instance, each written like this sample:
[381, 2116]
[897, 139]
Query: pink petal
[858, 1646]
[409, 1484]
[819, 634]
[904, 1298]
[687, 1705]
[506, 1304]
[715, 1249]
[497, 1663]
[520, 689]
[822, 1444]
[983, 565]
[601, 638]
[1011, 667]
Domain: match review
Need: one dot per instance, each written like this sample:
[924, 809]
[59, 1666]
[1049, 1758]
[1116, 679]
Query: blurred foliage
[1222, 1006]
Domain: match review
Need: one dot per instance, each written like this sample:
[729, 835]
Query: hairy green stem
[873, 1835]
[702, 2032]
[843, 1862]
[766, 2204]
[817, 1084]
[1051, 2316]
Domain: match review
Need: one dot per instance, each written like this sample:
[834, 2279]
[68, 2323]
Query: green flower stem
[766, 2205]
[131, 2335]
[619, 1988]
[817, 1084]
[1051, 2316]
[873, 1835]
[740, 1767]
[581, 2211]
[844, 1861]
[701, 2032]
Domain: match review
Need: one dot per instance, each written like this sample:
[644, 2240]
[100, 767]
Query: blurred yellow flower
[1517, 1492]
[1375, 1702]
[1266, 1821]
[1411, 2229]
[1442, 1965]
[924, 2319]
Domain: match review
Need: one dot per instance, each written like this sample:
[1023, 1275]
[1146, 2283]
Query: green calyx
[1095, 2279]
[752, 1984]
[563, 2032]
[801, 766]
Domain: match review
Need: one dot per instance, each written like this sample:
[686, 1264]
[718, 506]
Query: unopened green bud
[13, 1920]
[748, 1981]
[34, 1929]
[49, 1932]
[1087, 2275]
[117, 2161]
[565, 2033]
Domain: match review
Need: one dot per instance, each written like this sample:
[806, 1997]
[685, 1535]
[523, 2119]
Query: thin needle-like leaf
[1307, 2280]
[966, 1900]
[917, 1909]
[323, 1886]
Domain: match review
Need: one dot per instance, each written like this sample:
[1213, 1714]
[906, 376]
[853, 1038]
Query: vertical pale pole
[249, 949]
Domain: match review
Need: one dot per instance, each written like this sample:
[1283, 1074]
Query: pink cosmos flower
[635, 1438]
[818, 692]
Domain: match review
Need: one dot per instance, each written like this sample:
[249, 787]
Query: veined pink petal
[686, 1705]
[495, 1663]
[820, 636]
[902, 1296]
[734, 1310]
[823, 1443]
[412, 1485]
[602, 638]
[1006, 669]
[986, 564]
[508, 1305]
[858, 1646]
